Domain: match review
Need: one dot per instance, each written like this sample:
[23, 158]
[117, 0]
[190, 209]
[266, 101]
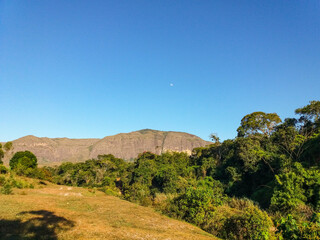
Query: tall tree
[258, 122]
[310, 118]
[24, 159]
[311, 111]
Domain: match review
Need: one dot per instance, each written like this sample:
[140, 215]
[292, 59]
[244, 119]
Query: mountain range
[50, 151]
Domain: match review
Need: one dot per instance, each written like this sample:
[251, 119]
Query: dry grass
[60, 212]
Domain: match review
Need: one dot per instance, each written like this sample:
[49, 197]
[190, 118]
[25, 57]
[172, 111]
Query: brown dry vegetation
[61, 212]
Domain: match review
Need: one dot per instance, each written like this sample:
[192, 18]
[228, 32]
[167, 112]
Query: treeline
[264, 184]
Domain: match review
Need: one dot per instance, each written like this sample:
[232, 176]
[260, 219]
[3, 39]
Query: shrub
[163, 202]
[240, 219]
[3, 169]
[251, 223]
[290, 228]
[196, 203]
[110, 191]
[9, 181]
[138, 193]
[6, 189]
[214, 224]
[2, 180]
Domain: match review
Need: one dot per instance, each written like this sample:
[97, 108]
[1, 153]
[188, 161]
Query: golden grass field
[61, 212]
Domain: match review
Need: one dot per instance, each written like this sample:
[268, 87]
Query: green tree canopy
[311, 111]
[24, 159]
[258, 122]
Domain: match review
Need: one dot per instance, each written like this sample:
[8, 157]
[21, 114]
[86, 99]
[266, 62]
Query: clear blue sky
[83, 69]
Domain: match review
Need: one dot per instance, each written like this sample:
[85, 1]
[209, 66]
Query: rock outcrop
[124, 145]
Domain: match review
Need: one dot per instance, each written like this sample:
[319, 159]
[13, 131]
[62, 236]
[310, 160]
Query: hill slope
[60, 212]
[123, 145]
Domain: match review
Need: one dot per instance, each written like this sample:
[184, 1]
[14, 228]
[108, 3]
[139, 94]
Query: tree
[288, 138]
[24, 159]
[311, 111]
[258, 122]
[214, 138]
[310, 118]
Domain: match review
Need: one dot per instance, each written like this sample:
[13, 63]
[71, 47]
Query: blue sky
[87, 69]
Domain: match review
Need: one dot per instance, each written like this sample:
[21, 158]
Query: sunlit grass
[61, 212]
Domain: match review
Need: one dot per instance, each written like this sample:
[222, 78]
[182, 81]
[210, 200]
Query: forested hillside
[264, 184]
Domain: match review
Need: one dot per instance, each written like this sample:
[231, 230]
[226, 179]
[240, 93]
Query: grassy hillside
[61, 212]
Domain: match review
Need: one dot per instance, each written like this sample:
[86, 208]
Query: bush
[6, 189]
[196, 203]
[3, 169]
[240, 219]
[214, 224]
[110, 191]
[2, 180]
[290, 228]
[251, 223]
[138, 193]
[9, 181]
[163, 203]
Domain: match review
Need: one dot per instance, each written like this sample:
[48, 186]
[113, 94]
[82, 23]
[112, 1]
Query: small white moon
[171, 84]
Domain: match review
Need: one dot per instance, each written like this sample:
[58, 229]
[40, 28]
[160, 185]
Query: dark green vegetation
[264, 184]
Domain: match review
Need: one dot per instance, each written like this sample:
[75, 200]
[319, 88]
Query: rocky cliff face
[123, 145]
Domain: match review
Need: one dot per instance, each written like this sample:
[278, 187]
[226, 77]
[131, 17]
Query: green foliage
[250, 153]
[6, 189]
[298, 186]
[214, 138]
[311, 111]
[138, 192]
[258, 122]
[290, 228]
[8, 182]
[144, 168]
[250, 223]
[3, 169]
[205, 160]
[197, 202]
[110, 191]
[311, 154]
[239, 219]
[166, 179]
[289, 192]
[22, 161]
[104, 171]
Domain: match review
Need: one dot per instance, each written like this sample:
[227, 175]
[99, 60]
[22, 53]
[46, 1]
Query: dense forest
[264, 184]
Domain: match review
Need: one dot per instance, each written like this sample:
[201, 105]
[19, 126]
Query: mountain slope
[123, 145]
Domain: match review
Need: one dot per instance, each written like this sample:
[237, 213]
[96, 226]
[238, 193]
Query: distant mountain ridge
[123, 145]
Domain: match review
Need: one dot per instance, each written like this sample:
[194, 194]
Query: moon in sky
[171, 84]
